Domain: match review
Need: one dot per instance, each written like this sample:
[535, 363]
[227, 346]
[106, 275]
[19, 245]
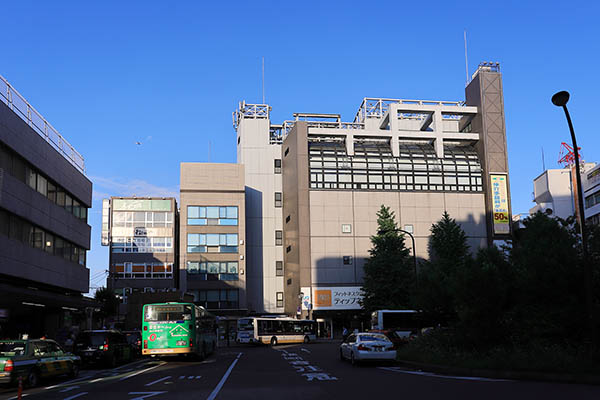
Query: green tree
[109, 303]
[389, 272]
[550, 302]
[448, 253]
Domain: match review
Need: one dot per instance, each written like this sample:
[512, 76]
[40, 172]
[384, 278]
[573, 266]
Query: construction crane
[567, 155]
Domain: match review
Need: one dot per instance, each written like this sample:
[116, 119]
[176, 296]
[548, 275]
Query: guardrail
[34, 119]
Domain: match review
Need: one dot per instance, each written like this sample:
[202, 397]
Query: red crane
[567, 155]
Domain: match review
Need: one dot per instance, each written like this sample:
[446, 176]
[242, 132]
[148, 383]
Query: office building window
[142, 244]
[287, 219]
[130, 270]
[212, 243]
[16, 166]
[278, 199]
[19, 229]
[278, 268]
[288, 249]
[142, 219]
[277, 166]
[347, 260]
[278, 238]
[373, 167]
[279, 299]
[212, 215]
[213, 270]
[592, 200]
[217, 299]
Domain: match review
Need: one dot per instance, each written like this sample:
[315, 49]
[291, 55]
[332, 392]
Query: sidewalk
[501, 374]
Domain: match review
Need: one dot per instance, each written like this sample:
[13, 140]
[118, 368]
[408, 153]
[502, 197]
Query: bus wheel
[306, 339]
[273, 341]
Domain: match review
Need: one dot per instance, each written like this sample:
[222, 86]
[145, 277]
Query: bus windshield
[176, 312]
[245, 324]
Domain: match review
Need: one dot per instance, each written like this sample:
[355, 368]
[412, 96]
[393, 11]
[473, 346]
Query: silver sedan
[366, 347]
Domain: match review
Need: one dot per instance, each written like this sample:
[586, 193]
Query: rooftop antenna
[466, 60]
[263, 79]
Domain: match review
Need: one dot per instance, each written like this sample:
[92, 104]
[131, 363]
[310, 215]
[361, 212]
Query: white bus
[404, 323]
[273, 331]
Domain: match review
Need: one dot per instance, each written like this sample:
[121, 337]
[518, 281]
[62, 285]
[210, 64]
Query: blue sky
[108, 74]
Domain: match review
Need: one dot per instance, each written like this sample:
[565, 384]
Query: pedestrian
[344, 333]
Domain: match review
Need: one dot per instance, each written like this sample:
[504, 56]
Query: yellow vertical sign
[500, 214]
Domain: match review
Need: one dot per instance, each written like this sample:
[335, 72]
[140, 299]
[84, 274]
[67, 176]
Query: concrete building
[44, 234]
[259, 150]
[418, 157]
[141, 233]
[213, 236]
[591, 194]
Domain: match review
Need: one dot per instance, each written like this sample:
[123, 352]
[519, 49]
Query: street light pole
[414, 251]
[560, 99]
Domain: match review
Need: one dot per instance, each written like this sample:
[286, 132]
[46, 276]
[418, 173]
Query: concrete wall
[18, 198]
[262, 218]
[204, 184]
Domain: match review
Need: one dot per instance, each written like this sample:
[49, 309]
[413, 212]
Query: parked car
[106, 347]
[33, 359]
[365, 346]
[134, 338]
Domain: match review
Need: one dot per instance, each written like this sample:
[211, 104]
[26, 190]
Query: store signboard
[336, 298]
[306, 298]
[500, 215]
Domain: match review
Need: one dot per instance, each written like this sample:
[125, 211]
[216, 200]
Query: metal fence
[34, 119]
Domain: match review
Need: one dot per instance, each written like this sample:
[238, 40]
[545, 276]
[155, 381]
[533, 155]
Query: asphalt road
[312, 371]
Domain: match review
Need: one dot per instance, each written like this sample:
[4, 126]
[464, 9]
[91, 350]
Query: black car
[106, 347]
[134, 338]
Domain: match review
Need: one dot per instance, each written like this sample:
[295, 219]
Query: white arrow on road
[145, 395]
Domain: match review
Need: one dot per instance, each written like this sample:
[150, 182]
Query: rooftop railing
[34, 119]
[376, 108]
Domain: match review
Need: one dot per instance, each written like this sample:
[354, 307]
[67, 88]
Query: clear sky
[168, 74]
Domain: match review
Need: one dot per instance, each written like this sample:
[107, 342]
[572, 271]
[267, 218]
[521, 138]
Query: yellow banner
[500, 214]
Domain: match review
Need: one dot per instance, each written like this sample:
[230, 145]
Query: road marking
[305, 350]
[215, 392]
[182, 377]
[431, 374]
[68, 382]
[14, 398]
[147, 394]
[198, 376]
[96, 380]
[158, 380]
[76, 396]
[141, 372]
[68, 389]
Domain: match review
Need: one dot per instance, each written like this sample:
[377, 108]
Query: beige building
[420, 158]
[212, 236]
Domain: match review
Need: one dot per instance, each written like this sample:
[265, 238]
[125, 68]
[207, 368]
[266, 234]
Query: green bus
[178, 328]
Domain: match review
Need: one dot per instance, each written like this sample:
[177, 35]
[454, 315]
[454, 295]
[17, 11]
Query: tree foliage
[109, 302]
[389, 271]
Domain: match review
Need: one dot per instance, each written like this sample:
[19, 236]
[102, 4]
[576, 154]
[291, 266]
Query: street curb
[502, 374]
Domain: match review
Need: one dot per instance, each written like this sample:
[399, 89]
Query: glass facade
[217, 299]
[143, 270]
[373, 167]
[147, 219]
[212, 243]
[198, 215]
[213, 270]
[142, 244]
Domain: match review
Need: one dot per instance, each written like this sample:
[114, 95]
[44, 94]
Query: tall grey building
[44, 234]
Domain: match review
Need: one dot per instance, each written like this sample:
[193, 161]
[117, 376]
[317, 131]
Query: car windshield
[91, 339]
[12, 348]
[373, 338]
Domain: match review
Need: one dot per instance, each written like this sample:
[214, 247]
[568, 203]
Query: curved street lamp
[560, 99]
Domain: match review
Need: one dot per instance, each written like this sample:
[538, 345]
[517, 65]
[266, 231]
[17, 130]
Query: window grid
[278, 200]
[277, 166]
[278, 238]
[217, 299]
[198, 215]
[278, 268]
[374, 168]
[212, 243]
[213, 270]
[147, 219]
[143, 271]
[279, 298]
[128, 244]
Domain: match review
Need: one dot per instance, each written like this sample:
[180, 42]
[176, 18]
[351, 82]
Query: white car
[366, 347]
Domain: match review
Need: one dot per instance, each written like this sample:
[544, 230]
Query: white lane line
[158, 380]
[215, 392]
[23, 395]
[68, 382]
[76, 396]
[431, 374]
[305, 350]
[198, 376]
[96, 380]
[141, 372]
[145, 395]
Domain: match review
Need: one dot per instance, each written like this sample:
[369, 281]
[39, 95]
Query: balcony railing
[34, 119]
